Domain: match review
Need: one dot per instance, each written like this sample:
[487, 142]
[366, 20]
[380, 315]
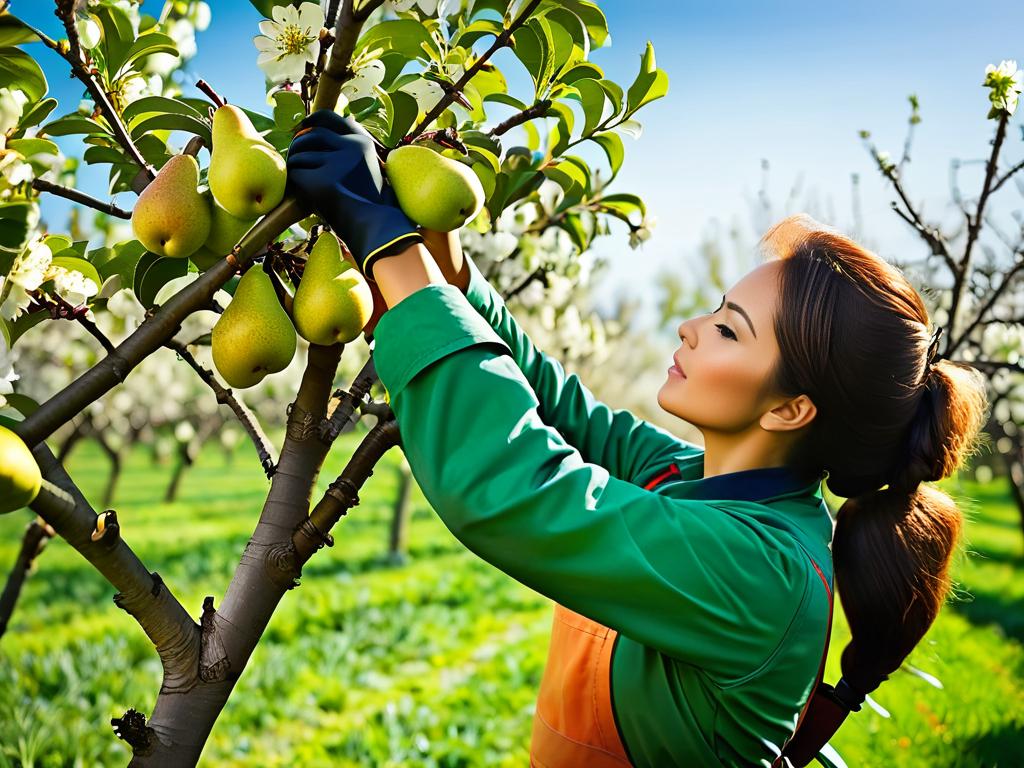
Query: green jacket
[709, 582]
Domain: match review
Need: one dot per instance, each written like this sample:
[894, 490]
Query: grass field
[435, 663]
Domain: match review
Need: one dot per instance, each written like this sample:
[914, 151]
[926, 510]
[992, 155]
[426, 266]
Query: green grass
[436, 663]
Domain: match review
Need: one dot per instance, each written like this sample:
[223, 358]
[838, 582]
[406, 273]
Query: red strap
[672, 470]
[821, 706]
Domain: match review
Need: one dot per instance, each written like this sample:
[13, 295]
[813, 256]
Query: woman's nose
[688, 331]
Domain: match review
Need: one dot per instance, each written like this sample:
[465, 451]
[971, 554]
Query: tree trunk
[398, 543]
[115, 469]
[32, 543]
[187, 455]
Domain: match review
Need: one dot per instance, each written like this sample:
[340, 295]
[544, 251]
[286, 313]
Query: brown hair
[854, 337]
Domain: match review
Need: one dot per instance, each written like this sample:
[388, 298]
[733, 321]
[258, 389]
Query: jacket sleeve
[629, 448]
[687, 577]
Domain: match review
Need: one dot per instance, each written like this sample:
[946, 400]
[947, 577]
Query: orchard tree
[408, 72]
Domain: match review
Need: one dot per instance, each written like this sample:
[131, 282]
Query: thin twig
[1002, 179]
[536, 110]
[41, 185]
[452, 93]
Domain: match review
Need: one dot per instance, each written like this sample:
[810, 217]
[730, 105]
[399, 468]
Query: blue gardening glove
[333, 170]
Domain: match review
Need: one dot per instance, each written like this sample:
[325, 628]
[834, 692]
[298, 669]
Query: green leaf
[583, 69]
[591, 97]
[470, 33]
[173, 123]
[266, 7]
[118, 37]
[17, 328]
[147, 45]
[260, 122]
[289, 110]
[567, 175]
[624, 204]
[612, 145]
[23, 404]
[614, 92]
[651, 83]
[36, 113]
[506, 98]
[155, 276]
[19, 71]
[30, 147]
[121, 260]
[96, 155]
[406, 36]
[562, 44]
[562, 132]
[593, 17]
[79, 264]
[573, 225]
[72, 124]
[14, 218]
[405, 111]
[533, 46]
[159, 105]
[14, 32]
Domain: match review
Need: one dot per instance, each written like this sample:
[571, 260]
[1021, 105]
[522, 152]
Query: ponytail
[853, 336]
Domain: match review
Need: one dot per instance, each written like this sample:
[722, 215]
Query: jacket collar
[763, 484]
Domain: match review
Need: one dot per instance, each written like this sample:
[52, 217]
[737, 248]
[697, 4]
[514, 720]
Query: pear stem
[40, 185]
[501, 41]
[206, 88]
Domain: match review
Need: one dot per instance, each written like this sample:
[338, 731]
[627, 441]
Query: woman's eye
[726, 331]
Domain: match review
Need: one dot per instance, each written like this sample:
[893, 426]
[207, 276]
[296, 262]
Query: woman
[693, 586]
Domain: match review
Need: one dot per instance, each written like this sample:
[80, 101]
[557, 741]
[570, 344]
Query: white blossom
[426, 92]
[1005, 82]
[12, 102]
[289, 41]
[7, 374]
[29, 269]
[367, 78]
[71, 285]
[441, 8]
[643, 232]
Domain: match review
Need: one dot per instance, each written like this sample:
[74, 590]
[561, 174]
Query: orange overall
[574, 723]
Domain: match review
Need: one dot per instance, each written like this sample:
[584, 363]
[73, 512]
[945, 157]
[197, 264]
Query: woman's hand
[333, 169]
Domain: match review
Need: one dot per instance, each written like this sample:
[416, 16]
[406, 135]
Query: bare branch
[80, 197]
[37, 534]
[989, 303]
[350, 23]
[536, 110]
[246, 417]
[500, 41]
[1005, 177]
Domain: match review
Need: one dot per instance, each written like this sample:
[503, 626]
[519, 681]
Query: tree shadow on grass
[994, 749]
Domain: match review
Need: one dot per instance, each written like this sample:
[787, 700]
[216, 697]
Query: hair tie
[933, 345]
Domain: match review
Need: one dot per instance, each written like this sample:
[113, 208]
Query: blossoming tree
[406, 71]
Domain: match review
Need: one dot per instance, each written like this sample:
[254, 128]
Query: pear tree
[217, 243]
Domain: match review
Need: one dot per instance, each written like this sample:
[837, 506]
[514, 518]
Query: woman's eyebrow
[746, 317]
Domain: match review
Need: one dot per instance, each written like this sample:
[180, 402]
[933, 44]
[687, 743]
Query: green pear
[247, 175]
[170, 217]
[225, 232]
[333, 302]
[254, 336]
[20, 479]
[436, 192]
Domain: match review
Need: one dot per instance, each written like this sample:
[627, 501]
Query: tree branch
[80, 197]
[65, 12]
[348, 401]
[143, 595]
[1003, 179]
[500, 41]
[350, 23]
[974, 229]
[32, 543]
[536, 110]
[154, 331]
[954, 344]
[225, 396]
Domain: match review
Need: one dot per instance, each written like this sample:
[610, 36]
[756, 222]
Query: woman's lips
[676, 370]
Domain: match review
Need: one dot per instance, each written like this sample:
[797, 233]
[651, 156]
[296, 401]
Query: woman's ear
[795, 413]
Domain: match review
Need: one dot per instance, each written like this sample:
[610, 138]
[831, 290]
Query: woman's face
[726, 358]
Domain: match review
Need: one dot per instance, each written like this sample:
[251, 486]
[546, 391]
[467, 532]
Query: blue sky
[791, 82]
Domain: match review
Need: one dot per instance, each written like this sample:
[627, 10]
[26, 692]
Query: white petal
[311, 17]
[264, 44]
[269, 28]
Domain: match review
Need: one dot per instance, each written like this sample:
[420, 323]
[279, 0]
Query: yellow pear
[247, 175]
[20, 479]
[435, 191]
[170, 217]
[333, 302]
[254, 336]
[225, 231]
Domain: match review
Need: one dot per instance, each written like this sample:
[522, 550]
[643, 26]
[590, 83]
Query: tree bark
[37, 534]
[400, 513]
